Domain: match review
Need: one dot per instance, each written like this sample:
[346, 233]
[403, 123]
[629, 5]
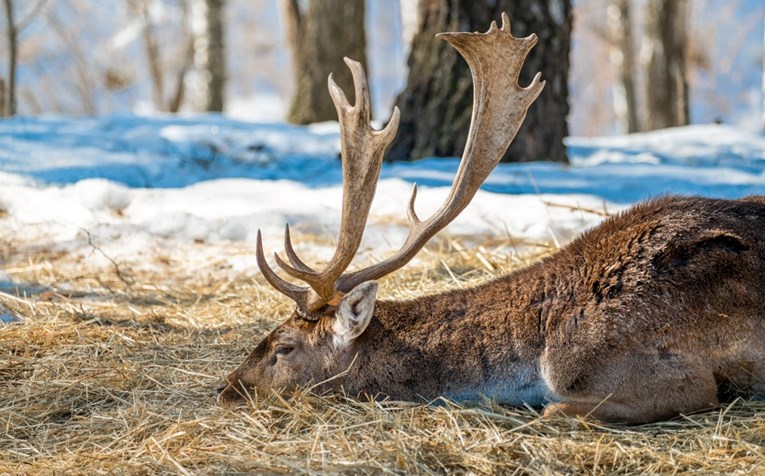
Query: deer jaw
[301, 352]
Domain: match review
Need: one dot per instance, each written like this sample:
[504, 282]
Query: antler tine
[410, 213]
[298, 294]
[363, 105]
[499, 107]
[362, 150]
[291, 255]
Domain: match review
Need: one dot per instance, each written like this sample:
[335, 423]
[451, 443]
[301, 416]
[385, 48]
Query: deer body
[639, 319]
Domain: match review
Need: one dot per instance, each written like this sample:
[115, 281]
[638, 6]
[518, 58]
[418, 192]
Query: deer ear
[354, 313]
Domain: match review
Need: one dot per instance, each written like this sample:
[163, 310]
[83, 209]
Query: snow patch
[136, 185]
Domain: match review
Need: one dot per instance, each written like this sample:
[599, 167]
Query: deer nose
[221, 388]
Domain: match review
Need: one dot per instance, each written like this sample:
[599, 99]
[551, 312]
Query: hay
[116, 373]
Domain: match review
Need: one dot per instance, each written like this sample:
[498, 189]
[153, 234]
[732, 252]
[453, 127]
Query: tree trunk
[623, 59]
[665, 45]
[763, 85]
[176, 100]
[436, 104]
[329, 31]
[86, 85]
[209, 54]
[152, 57]
[291, 18]
[9, 106]
[161, 71]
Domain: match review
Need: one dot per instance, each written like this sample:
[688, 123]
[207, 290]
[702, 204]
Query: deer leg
[758, 379]
[635, 390]
[635, 410]
[745, 376]
[602, 410]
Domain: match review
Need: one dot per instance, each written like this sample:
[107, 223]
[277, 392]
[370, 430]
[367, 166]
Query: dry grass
[111, 373]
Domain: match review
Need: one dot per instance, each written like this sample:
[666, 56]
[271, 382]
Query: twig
[31, 15]
[122, 277]
[578, 208]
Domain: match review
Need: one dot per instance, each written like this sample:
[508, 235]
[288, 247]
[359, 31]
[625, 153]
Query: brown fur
[637, 320]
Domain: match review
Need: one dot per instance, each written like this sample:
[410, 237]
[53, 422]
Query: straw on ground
[110, 372]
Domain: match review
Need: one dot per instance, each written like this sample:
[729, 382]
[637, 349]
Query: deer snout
[232, 391]
[229, 395]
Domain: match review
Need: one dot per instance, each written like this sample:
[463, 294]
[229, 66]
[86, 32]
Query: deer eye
[284, 349]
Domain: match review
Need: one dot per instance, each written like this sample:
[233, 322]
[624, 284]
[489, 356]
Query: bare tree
[318, 40]
[141, 8]
[162, 71]
[86, 83]
[9, 100]
[435, 106]
[664, 59]
[291, 18]
[13, 29]
[209, 54]
[623, 58]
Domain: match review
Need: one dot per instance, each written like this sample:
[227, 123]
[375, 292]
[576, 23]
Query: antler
[499, 107]
[362, 150]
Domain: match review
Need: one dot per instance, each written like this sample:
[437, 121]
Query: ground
[117, 374]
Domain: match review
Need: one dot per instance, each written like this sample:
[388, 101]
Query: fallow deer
[639, 319]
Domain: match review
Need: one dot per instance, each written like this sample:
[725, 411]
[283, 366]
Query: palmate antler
[499, 107]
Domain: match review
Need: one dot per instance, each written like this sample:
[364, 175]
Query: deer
[640, 319]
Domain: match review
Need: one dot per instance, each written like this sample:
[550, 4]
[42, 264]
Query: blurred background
[613, 66]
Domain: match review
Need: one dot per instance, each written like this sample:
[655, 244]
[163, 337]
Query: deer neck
[463, 344]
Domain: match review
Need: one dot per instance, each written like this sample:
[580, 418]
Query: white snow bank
[135, 185]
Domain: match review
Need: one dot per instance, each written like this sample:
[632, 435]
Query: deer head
[335, 307]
